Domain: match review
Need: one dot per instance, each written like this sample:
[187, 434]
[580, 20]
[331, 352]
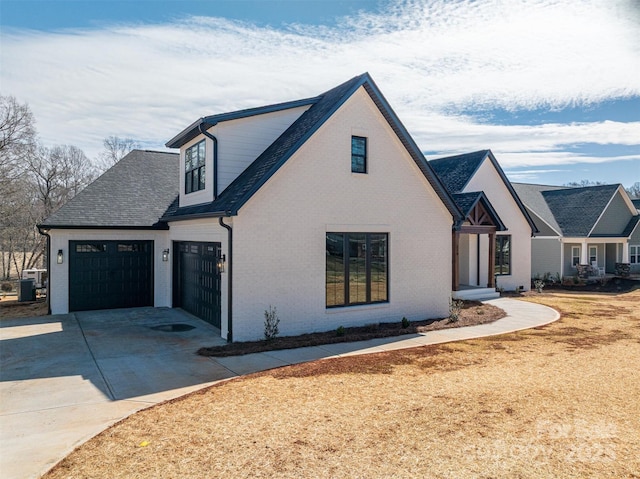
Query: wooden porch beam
[491, 280]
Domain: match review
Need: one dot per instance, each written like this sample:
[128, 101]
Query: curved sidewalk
[520, 315]
[66, 378]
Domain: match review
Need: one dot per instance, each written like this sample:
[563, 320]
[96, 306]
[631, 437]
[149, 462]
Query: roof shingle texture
[574, 211]
[456, 171]
[134, 193]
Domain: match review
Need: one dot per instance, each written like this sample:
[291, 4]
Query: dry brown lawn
[555, 402]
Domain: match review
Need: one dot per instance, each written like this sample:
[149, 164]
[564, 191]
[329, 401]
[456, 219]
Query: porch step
[476, 294]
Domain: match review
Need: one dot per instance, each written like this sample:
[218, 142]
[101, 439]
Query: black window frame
[194, 168]
[359, 160]
[341, 243]
[501, 254]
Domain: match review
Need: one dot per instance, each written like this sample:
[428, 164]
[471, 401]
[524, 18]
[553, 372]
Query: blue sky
[552, 88]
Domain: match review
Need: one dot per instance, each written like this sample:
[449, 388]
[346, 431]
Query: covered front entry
[196, 280]
[110, 274]
[473, 246]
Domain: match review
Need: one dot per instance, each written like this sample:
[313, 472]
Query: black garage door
[197, 280]
[110, 274]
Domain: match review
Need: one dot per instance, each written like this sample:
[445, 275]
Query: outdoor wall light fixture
[221, 261]
[60, 257]
[165, 255]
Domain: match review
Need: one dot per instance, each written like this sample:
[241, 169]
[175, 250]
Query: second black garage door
[196, 280]
[110, 274]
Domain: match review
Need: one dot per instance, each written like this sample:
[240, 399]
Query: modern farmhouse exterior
[588, 231]
[324, 208]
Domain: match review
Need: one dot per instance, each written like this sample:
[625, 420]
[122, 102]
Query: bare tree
[59, 173]
[634, 190]
[115, 148]
[17, 143]
[584, 183]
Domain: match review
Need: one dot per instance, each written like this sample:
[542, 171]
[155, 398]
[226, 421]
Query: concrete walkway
[65, 378]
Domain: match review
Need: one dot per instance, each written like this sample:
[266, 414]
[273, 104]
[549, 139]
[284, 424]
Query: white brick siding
[487, 179]
[279, 235]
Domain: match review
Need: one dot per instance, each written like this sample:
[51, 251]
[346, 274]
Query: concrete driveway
[64, 378]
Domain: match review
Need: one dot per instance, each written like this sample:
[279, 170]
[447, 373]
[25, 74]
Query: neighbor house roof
[133, 194]
[573, 211]
[285, 146]
[531, 196]
[455, 172]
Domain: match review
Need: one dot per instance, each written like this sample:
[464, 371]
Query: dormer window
[358, 154]
[194, 168]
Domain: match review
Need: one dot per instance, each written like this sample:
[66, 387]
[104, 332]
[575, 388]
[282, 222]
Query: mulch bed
[473, 313]
[10, 308]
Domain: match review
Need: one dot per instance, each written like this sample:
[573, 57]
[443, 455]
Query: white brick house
[324, 208]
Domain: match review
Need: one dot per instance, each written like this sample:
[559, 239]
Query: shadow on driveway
[123, 354]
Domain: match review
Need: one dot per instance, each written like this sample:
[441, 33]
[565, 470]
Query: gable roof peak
[288, 143]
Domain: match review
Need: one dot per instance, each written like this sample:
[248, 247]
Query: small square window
[358, 154]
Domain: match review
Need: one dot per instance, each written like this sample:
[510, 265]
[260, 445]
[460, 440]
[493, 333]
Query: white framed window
[575, 256]
[593, 254]
[634, 254]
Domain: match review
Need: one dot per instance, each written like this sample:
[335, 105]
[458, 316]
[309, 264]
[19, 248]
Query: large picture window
[503, 254]
[194, 169]
[357, 268]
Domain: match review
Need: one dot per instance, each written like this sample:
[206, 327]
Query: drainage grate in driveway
[173, 328]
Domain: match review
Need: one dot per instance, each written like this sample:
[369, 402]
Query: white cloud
[428, 57]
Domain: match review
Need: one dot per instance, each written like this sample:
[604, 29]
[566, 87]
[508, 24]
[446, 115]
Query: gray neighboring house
[585, 231]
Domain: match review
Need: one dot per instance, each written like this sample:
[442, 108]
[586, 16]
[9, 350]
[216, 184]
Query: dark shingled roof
[572, 211]
[636, 203]
[531, 196]
[577, 209]
[456, 171]
[323, 106]
[633, 222]
[133, 194]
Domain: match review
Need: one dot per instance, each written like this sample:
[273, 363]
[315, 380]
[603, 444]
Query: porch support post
[455, 253]
[584, 253]
[625, 252]
[491, 280]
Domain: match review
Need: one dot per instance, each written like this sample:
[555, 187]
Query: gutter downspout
[230, 280]
[48, 268]
[215, 158]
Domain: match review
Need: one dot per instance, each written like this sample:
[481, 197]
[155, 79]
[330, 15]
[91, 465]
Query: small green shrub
[539, 285]
[405, 323]
[340, 331]
[271, 322]
[455, 307]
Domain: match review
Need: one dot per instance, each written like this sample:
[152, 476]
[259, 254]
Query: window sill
[357, 307]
